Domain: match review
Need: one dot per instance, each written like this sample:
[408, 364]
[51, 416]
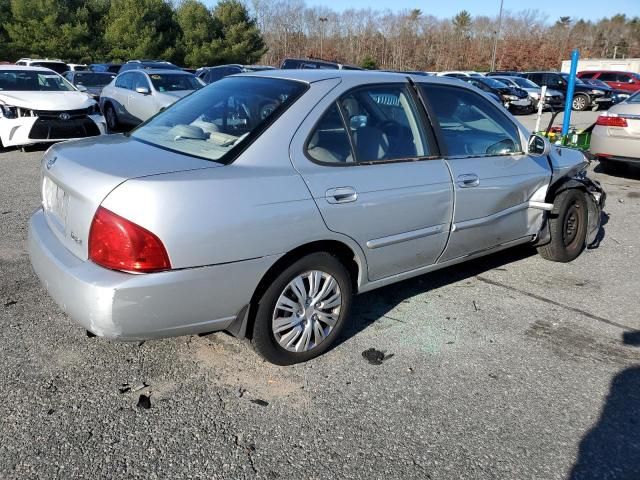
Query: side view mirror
[81, 88]
[538, 146]
[143, 90]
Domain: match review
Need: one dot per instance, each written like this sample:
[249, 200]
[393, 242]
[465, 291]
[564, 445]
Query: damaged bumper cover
[596, 198]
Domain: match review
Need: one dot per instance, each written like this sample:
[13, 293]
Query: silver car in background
[261, 203]
[615, 139]
[552, 98]
[136, 95]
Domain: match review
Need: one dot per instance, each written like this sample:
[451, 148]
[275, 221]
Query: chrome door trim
[406, 236]
[479, 222]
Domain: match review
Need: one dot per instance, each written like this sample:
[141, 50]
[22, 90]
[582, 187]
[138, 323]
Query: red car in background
[628, 81]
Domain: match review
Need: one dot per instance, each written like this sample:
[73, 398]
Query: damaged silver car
[262, 203]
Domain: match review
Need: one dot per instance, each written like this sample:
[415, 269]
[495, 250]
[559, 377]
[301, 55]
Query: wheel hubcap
[579, 103]
[571, 224]
[306, 311]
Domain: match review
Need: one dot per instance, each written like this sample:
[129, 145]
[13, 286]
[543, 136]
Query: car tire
[580, 102]
[567, 227]
[306, 328]
[111, 117]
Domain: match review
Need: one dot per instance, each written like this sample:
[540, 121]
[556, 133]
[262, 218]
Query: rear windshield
[33, 80]
[524, 82]
[217, 119]
[172, 82]
[92, 79]
[490, 82]
[58, 67]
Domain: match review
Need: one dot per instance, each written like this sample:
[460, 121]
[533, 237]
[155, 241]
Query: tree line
[89, 31]
[415, 40]
[249, 31]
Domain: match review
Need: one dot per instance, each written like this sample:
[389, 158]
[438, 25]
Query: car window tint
[608, 77]
[384, 124]
[470, 124]
[329, 142]
[587, 75]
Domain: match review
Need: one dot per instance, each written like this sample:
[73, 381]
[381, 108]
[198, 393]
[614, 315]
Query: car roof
[367, 76]
[24, 67]
[155, 71]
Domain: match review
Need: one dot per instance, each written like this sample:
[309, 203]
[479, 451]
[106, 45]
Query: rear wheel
[567, 226]
[580, 102]
[303, 311]
[111, 117]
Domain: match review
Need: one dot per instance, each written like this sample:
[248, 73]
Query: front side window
[215, 120]
[329, 142]
[140, 81]
[587, 75]
[608, 77]
[470, 124]
[125, 81]
[30, 80]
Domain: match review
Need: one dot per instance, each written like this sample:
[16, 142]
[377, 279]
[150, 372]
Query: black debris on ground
[375, 357]
[144, 402]
[124, 388]
[10, 302]
[262, 403]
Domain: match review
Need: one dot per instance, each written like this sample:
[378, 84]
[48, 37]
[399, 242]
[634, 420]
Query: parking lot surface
[508, 367]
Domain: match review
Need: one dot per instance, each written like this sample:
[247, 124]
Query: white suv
[56, 65]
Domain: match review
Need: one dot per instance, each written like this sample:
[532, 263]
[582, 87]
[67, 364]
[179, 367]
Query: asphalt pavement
[508, 367]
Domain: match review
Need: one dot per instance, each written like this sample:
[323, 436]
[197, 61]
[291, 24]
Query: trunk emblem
[76, 239]
[50, 162]
[64, 116]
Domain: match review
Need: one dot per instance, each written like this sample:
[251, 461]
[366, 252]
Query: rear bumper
[136, 307]
[15, 131]
[615, 148]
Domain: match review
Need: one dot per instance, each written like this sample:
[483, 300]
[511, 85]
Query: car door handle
[341, 195]
[468, 180]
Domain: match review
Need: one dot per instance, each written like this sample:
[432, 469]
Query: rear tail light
[607, 121]
[118, 244]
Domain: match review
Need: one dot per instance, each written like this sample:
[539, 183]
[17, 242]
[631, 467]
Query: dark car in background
[105, 67]
[553, 99]
[584, 96]
[628, 81]
[90, 82]
[213, 74]
[514, 99]
[314, 64]
[148, 65]
[617, 95]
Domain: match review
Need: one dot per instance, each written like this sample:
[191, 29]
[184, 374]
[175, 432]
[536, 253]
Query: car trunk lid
[631, 113]
[78, 175]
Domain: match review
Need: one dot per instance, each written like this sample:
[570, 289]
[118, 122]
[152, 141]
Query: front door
[493, 178]
[141, 105]
[375, 174]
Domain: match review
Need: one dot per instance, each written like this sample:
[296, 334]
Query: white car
[459, 74]
[54, 64]
[37, 105]
[136, 95]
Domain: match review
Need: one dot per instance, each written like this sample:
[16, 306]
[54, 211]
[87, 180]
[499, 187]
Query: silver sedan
[262, 203]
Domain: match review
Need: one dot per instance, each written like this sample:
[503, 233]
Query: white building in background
[617, 64]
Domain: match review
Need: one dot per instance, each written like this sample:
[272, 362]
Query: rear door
[493, 179]
[374, 171]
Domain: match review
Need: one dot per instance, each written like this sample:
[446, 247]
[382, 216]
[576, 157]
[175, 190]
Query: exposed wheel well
[340, 250]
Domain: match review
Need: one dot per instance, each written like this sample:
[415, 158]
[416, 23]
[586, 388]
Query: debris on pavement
[144, 402]
[124, 388]
[375, 357]
[475, 306]
[10, 302]
[262, 403]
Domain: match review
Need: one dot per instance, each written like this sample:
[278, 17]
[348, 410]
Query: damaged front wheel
[567, 227]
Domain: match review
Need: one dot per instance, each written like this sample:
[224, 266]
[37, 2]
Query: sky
[586, 9]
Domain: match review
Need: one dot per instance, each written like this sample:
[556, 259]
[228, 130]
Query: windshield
[492, 83]
[172, 82]
[213, 121]
[635, 98]
[524, 82]
[566, 77]
[33, 80]
[93, 79]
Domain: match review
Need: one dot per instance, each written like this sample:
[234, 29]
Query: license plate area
[55, 202]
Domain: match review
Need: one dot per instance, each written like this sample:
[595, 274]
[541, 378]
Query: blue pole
[570, 89]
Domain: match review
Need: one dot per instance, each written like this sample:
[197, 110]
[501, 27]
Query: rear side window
[470, 124]
[587, 75]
